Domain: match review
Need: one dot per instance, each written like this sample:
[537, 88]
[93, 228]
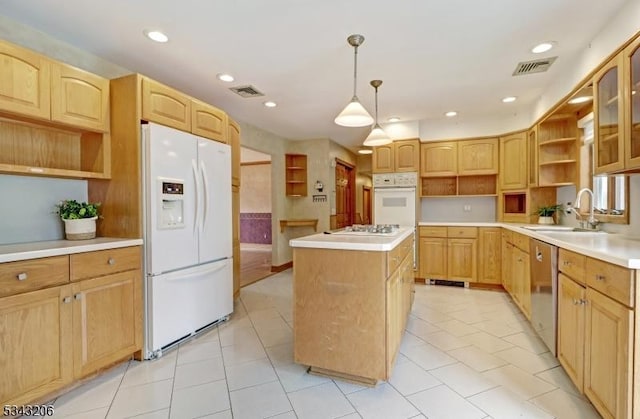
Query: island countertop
[25, 251]
[340, 240]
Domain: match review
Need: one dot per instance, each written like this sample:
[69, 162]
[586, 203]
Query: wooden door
[632, 104]
[439, 159]
[165, 105]
[571, 313]
[489, 250]
[36, 357]
[208, 122]
[345, 194]
[233, 136]
[366, 205]
[382, 160]
[478, 157]
[106, 311]
[433, 258]
[406, 155]
[461, 259]
[608, 117]
[79, 98]
[513, 162]
[608, 364]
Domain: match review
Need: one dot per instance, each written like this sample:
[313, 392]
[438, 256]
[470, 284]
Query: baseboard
[490, 287]
[420, 280]
[281, 268]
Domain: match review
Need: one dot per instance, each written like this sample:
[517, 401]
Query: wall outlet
[467, 208]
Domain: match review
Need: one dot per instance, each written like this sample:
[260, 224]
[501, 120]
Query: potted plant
[545, 214]
[79, 218]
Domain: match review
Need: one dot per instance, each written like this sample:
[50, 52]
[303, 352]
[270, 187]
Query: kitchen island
[352, 296]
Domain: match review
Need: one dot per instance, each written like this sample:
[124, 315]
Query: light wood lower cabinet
[51, 336]
[36, 356]
[571, 313]
[461, 259]
[516, 278]
[489, 255]
[433, 257]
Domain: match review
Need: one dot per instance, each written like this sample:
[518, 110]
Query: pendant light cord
[376, 105]
[355, 71]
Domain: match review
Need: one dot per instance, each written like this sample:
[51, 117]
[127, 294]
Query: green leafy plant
[71, 209]
[549, 210]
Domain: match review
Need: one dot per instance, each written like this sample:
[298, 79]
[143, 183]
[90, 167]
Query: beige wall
[255, 191]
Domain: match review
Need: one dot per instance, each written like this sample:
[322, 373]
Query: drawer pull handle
[111, 261]
[22, 276]
[77, 296]
[66, 300]
[600, 278]
[566, 263]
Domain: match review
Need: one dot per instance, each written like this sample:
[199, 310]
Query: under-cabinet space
[32, 149]
[439, 186]
[479, 185]
[296, 174]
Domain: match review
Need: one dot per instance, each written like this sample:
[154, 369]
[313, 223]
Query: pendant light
[377, 136]
[354, 114]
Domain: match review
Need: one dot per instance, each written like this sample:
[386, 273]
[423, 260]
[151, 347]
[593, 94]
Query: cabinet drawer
[30, 275]
[462, 232]
[611, 280]
[521, 242]
[430, 231]
[104, 262]
[397, 255]
[572, 264]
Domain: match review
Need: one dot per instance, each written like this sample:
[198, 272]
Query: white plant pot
[80, 229]
[545, 220]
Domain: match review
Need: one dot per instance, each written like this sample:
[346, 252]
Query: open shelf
[296, 175]
[308, 222]
[477, 185]
[439, 186]
[610, 137]
[557, 141]
[558, 150]
[555, 162]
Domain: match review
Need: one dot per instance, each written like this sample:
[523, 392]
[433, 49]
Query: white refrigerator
[187, 235]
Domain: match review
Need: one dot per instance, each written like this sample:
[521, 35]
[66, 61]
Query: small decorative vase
[80, 229]
[545, 220]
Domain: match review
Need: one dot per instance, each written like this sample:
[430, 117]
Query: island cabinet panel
[36, 357]
[26, 79]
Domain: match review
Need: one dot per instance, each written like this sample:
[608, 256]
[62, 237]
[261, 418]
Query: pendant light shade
[377, 136]
[354, 114]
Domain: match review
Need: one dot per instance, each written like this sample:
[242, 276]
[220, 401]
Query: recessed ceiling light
[365, 151]
[450, 113]
[156, 36]
[225, 77]
[393, 119]
[543, 47]
[270, 104]
[580, 99]
[509, 99]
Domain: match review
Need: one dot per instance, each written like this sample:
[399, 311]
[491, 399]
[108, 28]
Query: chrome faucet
[591, 222]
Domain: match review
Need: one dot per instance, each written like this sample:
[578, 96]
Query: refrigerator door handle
[205, 182]
[197, 194]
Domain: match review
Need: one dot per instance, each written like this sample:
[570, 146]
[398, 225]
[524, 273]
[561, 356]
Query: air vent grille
[536, 66]
[247, 91]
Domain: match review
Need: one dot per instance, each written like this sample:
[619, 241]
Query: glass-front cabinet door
[608, 115]
[632, 112]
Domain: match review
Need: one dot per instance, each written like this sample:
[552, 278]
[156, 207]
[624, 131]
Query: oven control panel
[408, 179]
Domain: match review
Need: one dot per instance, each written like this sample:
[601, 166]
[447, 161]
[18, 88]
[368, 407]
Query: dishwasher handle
[538, 254]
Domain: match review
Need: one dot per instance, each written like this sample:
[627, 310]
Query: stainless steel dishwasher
[544, 291]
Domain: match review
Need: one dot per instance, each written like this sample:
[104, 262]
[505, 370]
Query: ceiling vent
[247, 91]
[535, 66]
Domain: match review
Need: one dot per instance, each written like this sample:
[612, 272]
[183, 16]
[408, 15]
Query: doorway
[345, 193]
[255, 216]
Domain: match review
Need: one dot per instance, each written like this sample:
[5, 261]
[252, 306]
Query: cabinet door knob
[111, 261]
[77, 296]
[600, 278]
[22, 276]
[66, 300]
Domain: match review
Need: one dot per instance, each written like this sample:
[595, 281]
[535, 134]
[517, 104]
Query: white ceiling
[433, 56]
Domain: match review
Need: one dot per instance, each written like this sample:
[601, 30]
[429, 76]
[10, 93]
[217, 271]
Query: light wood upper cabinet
[478, 157]
[406, 155]
[513, 161]
[632, 99]
[36, 355]
[26, 80]
[608, 117]
[233, 135]
[208, 122]
[382, 159]
[105, 312]
[439, 159]
[79, 98]
[571, 314]
[165, 105]
[608, 355]
[399, 156]
[489, 255]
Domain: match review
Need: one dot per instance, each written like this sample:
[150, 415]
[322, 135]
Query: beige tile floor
[465, 354]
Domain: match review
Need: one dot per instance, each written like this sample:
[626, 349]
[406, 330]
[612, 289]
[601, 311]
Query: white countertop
[24, 251]
[614, 248]
[338, 241]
